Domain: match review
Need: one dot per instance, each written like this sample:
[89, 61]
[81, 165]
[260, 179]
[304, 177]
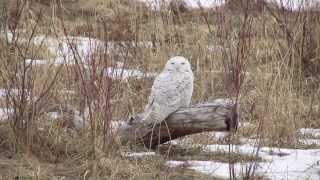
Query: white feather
[171, 90]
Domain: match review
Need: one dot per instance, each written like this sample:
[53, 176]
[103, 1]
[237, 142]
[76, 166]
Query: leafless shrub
[264, 57]
[25, 95]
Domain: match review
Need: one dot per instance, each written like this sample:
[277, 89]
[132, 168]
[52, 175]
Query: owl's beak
[177, 68]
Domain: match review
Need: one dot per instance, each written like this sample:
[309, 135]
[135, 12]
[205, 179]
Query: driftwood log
[217, 115]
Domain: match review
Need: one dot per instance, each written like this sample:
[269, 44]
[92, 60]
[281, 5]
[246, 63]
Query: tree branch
[217, 115]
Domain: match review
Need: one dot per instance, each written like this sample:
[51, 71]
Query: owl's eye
[183, 63]
[172, 63]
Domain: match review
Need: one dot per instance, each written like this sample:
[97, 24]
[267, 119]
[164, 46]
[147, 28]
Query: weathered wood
[218, 115]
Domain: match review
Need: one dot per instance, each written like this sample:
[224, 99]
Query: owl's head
[178, 64]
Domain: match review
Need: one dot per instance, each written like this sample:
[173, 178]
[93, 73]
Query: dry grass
[181, 153]
[276, 51]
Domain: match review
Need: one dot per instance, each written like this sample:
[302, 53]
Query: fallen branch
[218, 115]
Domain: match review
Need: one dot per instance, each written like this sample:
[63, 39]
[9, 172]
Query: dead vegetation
[266, 58]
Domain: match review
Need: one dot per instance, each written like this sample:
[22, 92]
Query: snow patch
[139, 154]
[280, 163]
[310, 141]
[157, 4]
[294, 5]
[117, 124]
[125, 74]
[5, 113]
[5, 92]
[310, 132]
[174, 163]
[219, 135]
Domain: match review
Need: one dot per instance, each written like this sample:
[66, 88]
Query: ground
[70, 71]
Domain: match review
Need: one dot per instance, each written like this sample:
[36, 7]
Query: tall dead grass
[267, 60]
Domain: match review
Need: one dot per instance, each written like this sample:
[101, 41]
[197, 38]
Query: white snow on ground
[219, 135]
[13, 92]
[310, 141]
[82, 49]
[281, 163]
[70, 47]
[4, 113]
[112, 72]
[296, 4]
[67, 49]
[125, 74]
[204, 3]
[55, 61]
[287, 4]
[156, 4]
[310, 132]
[4, 92]
[222, 101]
[139, 154]
[117, 124]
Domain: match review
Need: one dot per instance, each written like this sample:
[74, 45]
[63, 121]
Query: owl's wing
[186, 89]
[165, 90]
[164, 98]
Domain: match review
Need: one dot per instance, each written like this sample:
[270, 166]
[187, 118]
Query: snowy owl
[171, 90]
